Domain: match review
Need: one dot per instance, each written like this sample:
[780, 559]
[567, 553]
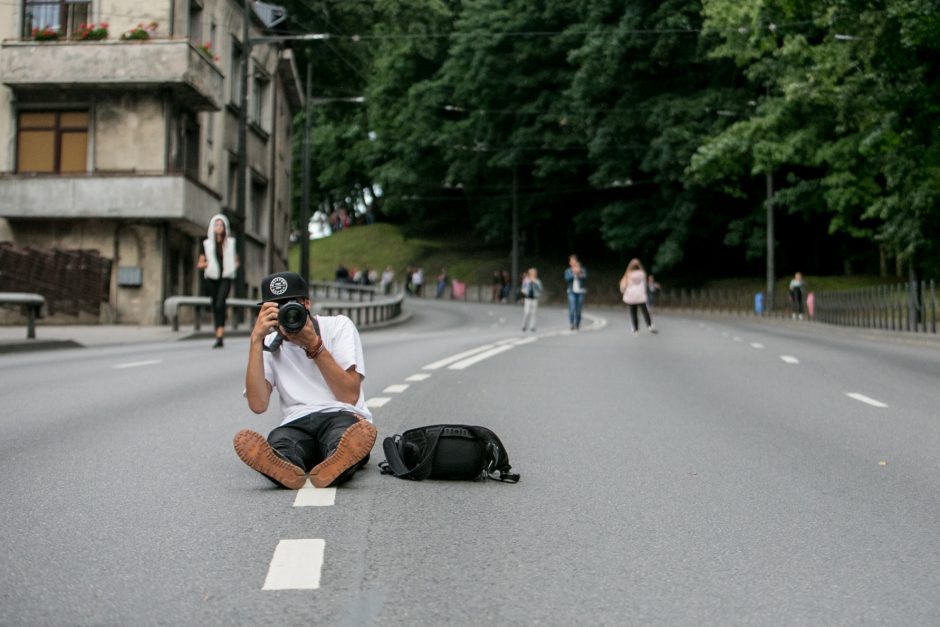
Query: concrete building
[127, 147]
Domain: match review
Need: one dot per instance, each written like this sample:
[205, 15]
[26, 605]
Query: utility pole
[515, 232]
[242, 184]
[241, 189]
[769, 302]
[305, 185]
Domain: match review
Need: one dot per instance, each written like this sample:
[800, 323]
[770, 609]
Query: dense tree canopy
[640, 127]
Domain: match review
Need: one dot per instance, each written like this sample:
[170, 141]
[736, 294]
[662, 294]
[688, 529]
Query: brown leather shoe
[356, 443]
[254, 450]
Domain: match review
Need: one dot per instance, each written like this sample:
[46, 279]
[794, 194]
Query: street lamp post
[305, 186]
[242, 184]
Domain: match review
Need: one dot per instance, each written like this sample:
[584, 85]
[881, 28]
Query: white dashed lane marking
[865, 399]
[309, 496]
[377, 401]
[736, 338]
[756, 345]
[418, 377]
[398, 388]
[137, 364]
[790, 359]
[296, 565]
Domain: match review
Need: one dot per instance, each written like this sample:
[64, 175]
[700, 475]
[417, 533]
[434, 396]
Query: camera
[292, 316]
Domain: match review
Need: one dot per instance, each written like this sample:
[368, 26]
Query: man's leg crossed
[346, 440]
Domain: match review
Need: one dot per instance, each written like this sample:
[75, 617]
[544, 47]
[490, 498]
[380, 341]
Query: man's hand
[305, 338]
[265, 322]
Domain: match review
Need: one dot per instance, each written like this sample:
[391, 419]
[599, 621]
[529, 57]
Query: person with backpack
[531, 290]
[633, 287]
[316, 365]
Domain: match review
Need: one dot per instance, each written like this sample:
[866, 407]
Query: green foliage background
[639, 128]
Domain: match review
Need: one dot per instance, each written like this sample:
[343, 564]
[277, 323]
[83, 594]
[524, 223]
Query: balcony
[114, 66]
[120, 196]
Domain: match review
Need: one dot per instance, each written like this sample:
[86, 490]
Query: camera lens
[292, 317]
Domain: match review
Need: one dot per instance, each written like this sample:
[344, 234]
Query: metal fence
[72, 281]
[910, 306]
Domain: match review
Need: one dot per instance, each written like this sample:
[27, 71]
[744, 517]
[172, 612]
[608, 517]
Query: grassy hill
[379, 245]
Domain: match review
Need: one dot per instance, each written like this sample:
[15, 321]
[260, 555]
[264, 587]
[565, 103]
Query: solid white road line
[418, 377]
[309, 496]
[527, 340]
[756, 345]
[449, 360]
[398, 388]
[460, 365]
[136, 364]
[865, 399]
[296, 565]
[377, 401]
[790, 359]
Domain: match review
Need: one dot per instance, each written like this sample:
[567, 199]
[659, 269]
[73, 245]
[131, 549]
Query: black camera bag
[447, 452]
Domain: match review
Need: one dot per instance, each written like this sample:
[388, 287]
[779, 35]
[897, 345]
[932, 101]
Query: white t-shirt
[300, 387]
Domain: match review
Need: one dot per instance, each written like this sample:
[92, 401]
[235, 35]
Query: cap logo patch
[278, 285]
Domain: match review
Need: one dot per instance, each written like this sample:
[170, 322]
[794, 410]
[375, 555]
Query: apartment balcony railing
[102, 196]
[114, 66]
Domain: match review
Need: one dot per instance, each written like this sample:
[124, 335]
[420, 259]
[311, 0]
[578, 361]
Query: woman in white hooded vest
[220, 263]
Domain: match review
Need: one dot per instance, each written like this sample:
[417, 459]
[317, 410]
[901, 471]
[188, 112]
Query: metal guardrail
[364, 305]
[172, 305]
[365, 314]
[32, 305]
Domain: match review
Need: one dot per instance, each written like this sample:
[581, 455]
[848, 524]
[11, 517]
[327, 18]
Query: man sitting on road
[318, 372]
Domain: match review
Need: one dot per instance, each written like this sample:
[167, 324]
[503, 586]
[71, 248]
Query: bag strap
[497, 458]
[394, 464]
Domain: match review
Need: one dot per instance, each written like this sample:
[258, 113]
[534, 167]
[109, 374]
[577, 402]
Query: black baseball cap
[283, 286]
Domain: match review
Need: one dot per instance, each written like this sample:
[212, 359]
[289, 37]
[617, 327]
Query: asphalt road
[718, 473]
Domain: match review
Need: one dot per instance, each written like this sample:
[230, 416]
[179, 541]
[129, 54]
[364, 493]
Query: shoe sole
[253, 449]
[356, 443]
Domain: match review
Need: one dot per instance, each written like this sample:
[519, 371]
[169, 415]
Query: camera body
[292, 316]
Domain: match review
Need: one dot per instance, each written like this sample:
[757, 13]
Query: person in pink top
[633, 287]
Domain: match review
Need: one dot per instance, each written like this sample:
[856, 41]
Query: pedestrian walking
[417, 281]
[633, 287]
[441, 283]
[531, 290]
[652, 290]
[496, 285]
[317, 370]
[387, 277]
[795, 293]
[576, 280]
[219, 263]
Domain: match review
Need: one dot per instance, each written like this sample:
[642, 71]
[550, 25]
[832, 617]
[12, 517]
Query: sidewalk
[13, 338]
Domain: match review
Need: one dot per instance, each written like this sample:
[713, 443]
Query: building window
[65, 16]
[195, 23]
[259, 201]
[52, 141]
[233, 172]
[235, 75]
[187, 149]
[259, 98]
